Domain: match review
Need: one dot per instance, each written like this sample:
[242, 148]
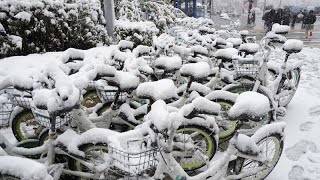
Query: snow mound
[280, 29]
[163, 89]
[250, 104]
[168, 63]
[227, 53]
[293, 45]
[23, 168]
[196, 70]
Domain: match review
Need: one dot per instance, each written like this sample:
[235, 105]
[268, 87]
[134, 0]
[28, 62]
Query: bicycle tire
[86, 148]
[241, 162]
[295, 76]
[8, 177]
[17, 123]
[210, 141]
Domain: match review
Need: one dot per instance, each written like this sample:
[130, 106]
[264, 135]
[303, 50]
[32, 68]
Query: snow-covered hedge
[33, 26]
[141, 33]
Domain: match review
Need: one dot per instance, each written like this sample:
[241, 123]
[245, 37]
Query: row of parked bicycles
[195, 105]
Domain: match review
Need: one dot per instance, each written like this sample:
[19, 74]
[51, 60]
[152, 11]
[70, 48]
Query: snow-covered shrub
[162, 14]
[44, 25]
[128, 9]
[141, 33]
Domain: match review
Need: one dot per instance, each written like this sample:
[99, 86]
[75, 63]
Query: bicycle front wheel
[25, 126]
[204, 142]
[271, 147]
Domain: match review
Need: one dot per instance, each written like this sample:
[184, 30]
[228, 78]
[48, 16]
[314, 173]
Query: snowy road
[301, 155]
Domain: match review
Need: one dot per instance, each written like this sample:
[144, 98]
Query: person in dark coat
[278, 16]
[309, 20]
[294, 19]
[304, 13]
[286, 17]
[269, 19]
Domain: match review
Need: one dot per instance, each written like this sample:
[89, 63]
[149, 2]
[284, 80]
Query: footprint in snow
[300, 148]
[314, 111]
[306, 126]
[296, 173]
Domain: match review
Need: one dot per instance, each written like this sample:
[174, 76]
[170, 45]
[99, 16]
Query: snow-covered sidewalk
[301, 155]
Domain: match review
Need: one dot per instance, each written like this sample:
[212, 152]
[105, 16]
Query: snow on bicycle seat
[249, 106]
[196, 71]
[168, 64]
[124, 45]
[249, 48]
[158, 90]
[235, 41]
[21, 167]
[244, 33]
[200, 105]
[142, 50]
[280, 29]
[125, 81]
[226, 54]
[199, 50]
[293, 46]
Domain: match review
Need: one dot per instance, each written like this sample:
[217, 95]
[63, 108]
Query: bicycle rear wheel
[272, 147]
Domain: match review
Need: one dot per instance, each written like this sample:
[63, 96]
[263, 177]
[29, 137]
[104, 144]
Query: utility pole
[109, 15]
[195, 8]
[264, 5]
[249, 11]
[186, 8]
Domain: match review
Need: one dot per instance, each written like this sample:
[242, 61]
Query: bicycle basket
[134, 163]
[108, 94]
[20, 98]
[246, 67]
[44, 118]
[5, 112]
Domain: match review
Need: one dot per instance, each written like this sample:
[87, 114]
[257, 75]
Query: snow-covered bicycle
[285, 82]
[155, 143]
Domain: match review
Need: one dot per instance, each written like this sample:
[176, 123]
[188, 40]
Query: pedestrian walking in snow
[269, 19]
[286, 17]
[278, 16]
[309, 20]
[304, 13]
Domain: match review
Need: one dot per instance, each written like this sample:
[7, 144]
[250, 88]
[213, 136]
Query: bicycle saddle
[235, 41]
[293, 46]
[249, 48]
[158, 90]
[124, 45]
[226, 54]
[200, 105]
[197, 71]
[125, 81]
[250, 106]
[168, 64]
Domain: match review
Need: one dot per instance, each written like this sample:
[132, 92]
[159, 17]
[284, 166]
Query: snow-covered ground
[301, 155]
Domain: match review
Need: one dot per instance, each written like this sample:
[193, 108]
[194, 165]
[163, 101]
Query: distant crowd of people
[285, 17]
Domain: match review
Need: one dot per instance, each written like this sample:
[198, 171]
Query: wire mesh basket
[45, 119]
[109, 94]
[5, 112]
[20, 98]
[246, 67]
[135, 163]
